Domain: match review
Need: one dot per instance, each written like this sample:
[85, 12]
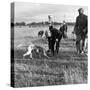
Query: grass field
[65, 68]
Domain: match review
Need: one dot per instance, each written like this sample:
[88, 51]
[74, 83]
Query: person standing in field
[48, 33]
[81, 30]
[63, 29]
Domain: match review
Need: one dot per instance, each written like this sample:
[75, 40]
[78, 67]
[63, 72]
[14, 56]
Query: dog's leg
[39, 54]
[45, 53]
[27, 53]
[31, 56]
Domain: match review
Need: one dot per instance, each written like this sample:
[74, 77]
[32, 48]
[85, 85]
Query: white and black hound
[32, 47]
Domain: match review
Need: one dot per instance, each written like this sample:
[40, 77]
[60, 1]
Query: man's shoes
[82, 53]
[78, 52]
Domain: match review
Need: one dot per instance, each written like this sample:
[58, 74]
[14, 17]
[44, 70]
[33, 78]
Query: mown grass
[40, 73]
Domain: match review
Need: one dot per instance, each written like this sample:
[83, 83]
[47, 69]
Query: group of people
[55, 36]
[80, 30]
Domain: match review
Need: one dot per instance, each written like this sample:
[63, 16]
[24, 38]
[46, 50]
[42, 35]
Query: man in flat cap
[81, 30]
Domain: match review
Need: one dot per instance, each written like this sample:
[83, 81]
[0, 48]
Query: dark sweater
[81, 24]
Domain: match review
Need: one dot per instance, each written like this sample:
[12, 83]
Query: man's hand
[84, 30]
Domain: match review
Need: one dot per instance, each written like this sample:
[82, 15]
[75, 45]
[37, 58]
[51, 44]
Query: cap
[80, 9]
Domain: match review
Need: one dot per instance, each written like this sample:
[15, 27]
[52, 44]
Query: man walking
[81, 30]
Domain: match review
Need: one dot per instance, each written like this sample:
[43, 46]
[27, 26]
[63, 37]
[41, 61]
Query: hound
[32, 47]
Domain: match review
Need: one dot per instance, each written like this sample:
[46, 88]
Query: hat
[50, 27]
[80, 9]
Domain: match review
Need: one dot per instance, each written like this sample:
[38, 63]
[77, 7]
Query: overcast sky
[30, 12]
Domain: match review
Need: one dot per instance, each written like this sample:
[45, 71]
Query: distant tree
[20, 23]
[23, 23]
[33, 23]
[46, 22]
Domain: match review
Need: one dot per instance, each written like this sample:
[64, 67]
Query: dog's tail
[20, 45]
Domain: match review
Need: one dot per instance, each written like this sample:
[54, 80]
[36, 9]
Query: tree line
[38, 23]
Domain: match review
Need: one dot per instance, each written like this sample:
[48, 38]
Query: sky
[32, 12]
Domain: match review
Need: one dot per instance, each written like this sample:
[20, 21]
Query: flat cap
[80, 9]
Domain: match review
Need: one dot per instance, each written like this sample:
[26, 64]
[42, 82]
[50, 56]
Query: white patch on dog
[29, 52]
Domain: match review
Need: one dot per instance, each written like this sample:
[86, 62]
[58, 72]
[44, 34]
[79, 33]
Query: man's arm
[66, 27]
[76, 25]
[85, 30]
